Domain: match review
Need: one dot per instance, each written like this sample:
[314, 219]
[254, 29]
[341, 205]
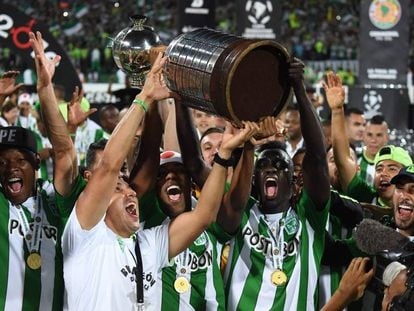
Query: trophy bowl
[131, 49]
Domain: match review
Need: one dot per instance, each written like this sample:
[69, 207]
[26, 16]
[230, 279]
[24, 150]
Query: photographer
[397, 279]
[394, 279]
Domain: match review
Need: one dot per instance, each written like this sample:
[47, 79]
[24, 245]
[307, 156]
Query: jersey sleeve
[348, 210]
[74, 237]
[156, 240]
[221, 235]
[66, 203]
[360, 190]
[307, 209]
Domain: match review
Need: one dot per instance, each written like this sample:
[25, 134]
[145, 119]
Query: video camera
[406, 257]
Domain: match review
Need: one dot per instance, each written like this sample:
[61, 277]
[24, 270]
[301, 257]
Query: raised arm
[144, 172]
[65, 163]
[205, 212]
[190, 146]
[335, 95]
[235, 200]
[76, 116]
[94, 200]
[8, 84]
[315, 167]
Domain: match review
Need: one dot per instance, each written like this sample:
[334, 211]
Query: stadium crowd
[331, 31]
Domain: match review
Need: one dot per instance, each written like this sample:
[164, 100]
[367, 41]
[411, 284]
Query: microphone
[372, 238]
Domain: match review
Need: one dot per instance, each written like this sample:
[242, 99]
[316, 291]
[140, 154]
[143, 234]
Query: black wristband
[223, 162]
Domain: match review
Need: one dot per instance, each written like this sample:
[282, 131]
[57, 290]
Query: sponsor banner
[384, 41]
[258, 19]
[392, 103]
[14, 34]
[193, 14]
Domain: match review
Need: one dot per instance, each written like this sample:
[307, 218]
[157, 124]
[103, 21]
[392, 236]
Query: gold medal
[34, 261]
[181, 285]
[278, 278]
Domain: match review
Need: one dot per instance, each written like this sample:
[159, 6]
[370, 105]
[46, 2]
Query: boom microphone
[372, 237]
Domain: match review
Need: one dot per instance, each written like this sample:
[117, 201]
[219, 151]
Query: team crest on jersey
[201, 240]
[291, 224]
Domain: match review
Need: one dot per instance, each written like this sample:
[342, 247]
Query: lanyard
[277, 242]
[139, 282]
[182, 263]
[32, 236]
[139, 277]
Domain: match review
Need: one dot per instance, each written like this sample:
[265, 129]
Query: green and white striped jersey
[367, 169]
[330, 277]
[22, 288]
[250, 265]
[201, 261]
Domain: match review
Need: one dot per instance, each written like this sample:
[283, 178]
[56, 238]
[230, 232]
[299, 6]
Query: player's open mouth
[270, 188]
[383, 186]
[15, 185]
[132, 209]
[174, 193]
[405, 210]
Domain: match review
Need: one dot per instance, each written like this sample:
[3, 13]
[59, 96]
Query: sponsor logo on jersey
[200, 262]
[195, 262]
[48, 232]
[147, 278]
[263, 244]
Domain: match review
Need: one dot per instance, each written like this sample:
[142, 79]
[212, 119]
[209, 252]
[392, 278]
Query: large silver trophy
[131, 49]
[236, 78]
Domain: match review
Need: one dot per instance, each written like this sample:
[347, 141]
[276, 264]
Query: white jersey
[99, 266]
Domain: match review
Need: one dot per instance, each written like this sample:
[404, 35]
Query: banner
[259, 19]
[393, 104]
[14, 34]
[384, 41]
[194, 14]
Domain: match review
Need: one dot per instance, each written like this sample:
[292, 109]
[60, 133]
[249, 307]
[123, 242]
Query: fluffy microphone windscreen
[372, 237]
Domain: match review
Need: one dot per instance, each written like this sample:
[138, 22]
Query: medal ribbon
[32, 237]
[277, 241]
